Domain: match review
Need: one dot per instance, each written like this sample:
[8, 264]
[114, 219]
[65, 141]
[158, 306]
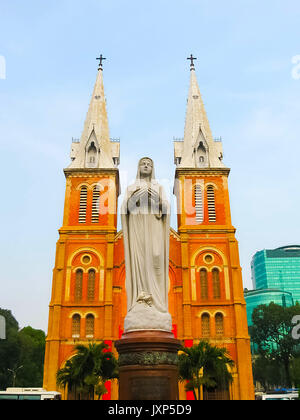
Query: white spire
[198, 149]
[95, 149]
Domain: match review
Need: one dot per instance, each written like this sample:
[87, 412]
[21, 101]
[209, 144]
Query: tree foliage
[268, 373]
[87, 371]
[24, 348]
[271, 331]
[204, 365]
[295, 372]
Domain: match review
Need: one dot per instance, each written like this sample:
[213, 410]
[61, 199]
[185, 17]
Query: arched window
[89, 326]
[95, 206]
[216, 283]
[76, 326]
[205, 325]
[82, 205]
[199, 204]
[78, 285]
[91, 285]
[211, 203]
[219, 320]
[203, 284]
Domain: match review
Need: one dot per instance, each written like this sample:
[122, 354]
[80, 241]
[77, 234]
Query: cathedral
[206, 300]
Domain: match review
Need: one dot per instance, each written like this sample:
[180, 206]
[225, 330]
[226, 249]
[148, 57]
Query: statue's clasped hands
[147, 191]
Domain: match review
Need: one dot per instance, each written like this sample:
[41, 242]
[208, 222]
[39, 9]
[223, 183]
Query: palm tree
[204, 366]
[67, 378]
[88, 370]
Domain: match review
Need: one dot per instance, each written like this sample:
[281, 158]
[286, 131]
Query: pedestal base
[148, 365]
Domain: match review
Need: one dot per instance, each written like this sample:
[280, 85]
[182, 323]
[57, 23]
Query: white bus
[281, 397]
[38, 394]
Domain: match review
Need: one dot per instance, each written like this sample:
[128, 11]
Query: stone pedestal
[148, 365]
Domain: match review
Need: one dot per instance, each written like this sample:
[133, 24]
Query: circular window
[86, 259]
[208, 258]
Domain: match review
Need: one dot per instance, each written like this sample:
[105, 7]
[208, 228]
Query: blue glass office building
[255, 298]
[278, 269]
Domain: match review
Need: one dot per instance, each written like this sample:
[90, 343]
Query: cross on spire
[192, 58]
[101, 58]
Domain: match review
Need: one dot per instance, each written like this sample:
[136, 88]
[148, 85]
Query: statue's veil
[138, 175]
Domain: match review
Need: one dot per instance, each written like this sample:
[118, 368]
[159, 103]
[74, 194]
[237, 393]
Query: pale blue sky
[244, 69]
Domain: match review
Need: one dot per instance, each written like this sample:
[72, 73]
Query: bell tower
[81, 307]
[213, 305]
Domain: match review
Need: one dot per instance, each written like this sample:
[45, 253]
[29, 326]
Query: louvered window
[95, 206]
[82, 205]
[199, 204]
[211, 203]
[89, 326]
[76, 326]
[91, 285]
[219, 319]
[78, 285]
[216, 283]
[205, 323]
[203, 283]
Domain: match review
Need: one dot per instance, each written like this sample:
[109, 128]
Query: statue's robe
[146, 229]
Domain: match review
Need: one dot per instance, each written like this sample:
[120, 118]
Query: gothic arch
[92, 151]
[83, 315]
[208, 248]
[211, 184]
[76, 313]
[87, 250]
[219, 311]
[94, 314]
[83, 184]
[100, 270]
[97, 184]
[172, 276]
[225, 269]
[85, 269]
[205, 311]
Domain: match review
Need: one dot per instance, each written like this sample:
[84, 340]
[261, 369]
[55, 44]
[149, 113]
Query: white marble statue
[145, 216]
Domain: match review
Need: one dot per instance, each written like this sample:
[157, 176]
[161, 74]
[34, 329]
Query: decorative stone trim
[148, 358]
[80, 172]
[201, 171]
